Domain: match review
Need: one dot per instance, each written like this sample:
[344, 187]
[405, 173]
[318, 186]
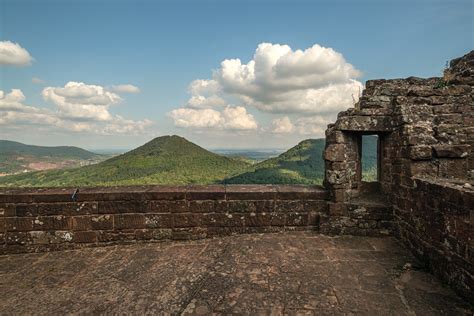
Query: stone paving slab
[298, 273]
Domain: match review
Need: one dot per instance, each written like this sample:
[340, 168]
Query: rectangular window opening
[370, 158]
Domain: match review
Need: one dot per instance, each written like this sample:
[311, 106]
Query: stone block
[297, 219]
[453, 168]
[420, 152]
[117, 207]
[7, 210]
[187, 219]
[375, 101]
[337, 137]
[17, 238]
[316, 206]
[165, 192]
[159, 220]
[85, 237]
[289, 206]
[207, 206]
[339, 177]
[300, 192]
[160, 206]
[124, 235]
[250, 206]
[223, 219]
[250, 192]
[23, 210]
[337, 209]
[265, 219]
[206, 192]
[94, 222]
[451, 151]
[452, 118]
[365, 124]
[19, 224]
[421, 139]
[58, 222]
[335, 152]
[129, 221]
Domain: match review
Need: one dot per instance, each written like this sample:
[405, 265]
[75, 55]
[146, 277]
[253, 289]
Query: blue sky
[161, 47]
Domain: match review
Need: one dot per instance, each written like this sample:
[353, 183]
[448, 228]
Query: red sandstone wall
[434, 219]
[33, 220]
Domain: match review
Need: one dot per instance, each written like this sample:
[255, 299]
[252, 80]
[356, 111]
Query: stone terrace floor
[289, 273]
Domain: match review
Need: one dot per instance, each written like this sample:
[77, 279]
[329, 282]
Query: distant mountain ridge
[12, 147]
[16, 157]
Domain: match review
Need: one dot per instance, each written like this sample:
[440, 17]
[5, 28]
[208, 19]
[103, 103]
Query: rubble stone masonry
[426, 165]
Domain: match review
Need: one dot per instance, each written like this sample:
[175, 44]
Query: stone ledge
[191, 192]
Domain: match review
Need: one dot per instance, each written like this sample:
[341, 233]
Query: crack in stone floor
[299, 273]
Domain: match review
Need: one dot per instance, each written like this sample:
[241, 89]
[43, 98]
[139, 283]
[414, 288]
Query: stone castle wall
[48, 219]
[426, 140]
[436, 223]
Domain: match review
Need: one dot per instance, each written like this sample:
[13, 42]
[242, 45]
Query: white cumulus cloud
[13, 54]
[14, 113]
[280, 80]
[311, 86]
[77, 100]
[231, 118]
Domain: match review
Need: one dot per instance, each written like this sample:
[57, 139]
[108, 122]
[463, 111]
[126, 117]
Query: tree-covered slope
[164, 160]
[8, 147]
[16, 157]
[304, 164]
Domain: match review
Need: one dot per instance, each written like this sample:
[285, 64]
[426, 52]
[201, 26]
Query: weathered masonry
[425, 129]
[45, 220]
[423, 193]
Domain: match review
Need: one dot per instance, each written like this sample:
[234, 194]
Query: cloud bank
[311, 85]
[13, 54]
[79, 107]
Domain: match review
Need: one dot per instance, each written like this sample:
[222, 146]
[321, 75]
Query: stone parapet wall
[434, 220]
[33, 220]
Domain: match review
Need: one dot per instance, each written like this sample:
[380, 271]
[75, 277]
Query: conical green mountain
[164, 160]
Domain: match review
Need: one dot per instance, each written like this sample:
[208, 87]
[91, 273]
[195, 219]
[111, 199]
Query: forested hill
[8, 147]
[16, 157]
[303, 164]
